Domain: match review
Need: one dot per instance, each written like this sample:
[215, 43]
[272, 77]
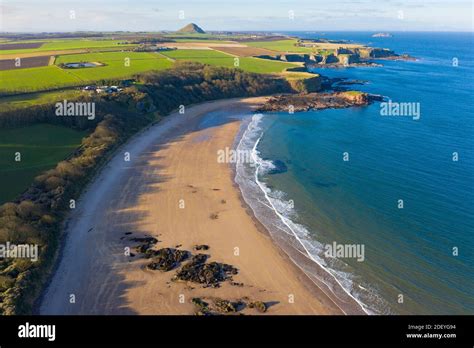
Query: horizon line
[240, 31]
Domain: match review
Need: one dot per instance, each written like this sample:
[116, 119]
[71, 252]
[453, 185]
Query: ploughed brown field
[42, 53]
[20, 46]
[244, 51]
[31, 62]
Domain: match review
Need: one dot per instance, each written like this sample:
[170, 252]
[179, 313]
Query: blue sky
[274, 15]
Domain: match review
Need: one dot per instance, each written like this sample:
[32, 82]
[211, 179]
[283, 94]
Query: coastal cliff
[317, 101]
[340, 56]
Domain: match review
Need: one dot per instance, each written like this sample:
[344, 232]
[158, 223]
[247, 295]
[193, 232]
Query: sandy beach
[173, 189]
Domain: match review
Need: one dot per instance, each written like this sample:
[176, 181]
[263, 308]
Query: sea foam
[272, 208]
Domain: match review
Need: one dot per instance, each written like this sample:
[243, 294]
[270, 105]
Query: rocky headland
[318, 101]
[339, 57]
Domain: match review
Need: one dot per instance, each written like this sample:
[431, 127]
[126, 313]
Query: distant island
[382, 35]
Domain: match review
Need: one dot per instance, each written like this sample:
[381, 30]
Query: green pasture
[23, 101]
[217, 58]
[41, 146]
[48, 77]
[36, 79]
[117, 64]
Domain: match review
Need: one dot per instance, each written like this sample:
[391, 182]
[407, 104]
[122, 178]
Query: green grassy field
[23, 101]
[53, 45]
[37, 79]
[324, 52]
[196, 54]
[212, 57]
[279, 45]
[263, 66]
[115, 64]
[41, 146]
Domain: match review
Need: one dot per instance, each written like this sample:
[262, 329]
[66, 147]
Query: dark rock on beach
[259, 306]
[150, 240]
[219, 306]
[201, 247]
[209, 274]
[166, 259]
[145, 243]
[202, 306]
[225, 306]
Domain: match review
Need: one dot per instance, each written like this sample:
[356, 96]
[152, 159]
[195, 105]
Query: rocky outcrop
[340, 57]
[226, 306]
[145, 243]
[355, 98]
[166, 259]
[348, 59]
[329, 59]
[259, 306]
[370, 52]
[219, 306]
[209, 274]
[317, 101]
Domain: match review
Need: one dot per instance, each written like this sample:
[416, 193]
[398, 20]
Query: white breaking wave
[276, 213]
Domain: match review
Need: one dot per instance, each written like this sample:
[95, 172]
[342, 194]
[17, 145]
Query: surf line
[257, 118]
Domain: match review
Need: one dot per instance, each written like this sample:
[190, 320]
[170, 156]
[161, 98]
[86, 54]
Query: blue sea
[404, 193]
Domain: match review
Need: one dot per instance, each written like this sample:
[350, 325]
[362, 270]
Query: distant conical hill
[191, 28]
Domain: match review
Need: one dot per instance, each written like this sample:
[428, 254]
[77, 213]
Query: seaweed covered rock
[166, 259]
[259, 306]
[217, 306]
[145, 243]
[225, 306]
[202, 306]
[209, 274]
